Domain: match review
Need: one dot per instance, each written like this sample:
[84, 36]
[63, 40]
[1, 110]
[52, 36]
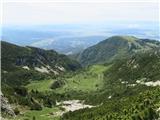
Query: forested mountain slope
[19, 64]
[131, 91]
[116, 47]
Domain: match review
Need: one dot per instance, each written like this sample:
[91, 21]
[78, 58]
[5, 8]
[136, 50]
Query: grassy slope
[41, 86]
[39, 115]
[86, 81]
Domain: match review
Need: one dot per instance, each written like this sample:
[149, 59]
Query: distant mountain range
[116, 47]
[62, 41]
[71, 39]
[69, 45]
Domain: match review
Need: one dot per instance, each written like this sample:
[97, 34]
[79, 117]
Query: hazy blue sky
[32, 13]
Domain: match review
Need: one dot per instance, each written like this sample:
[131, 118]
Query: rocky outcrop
[6, 109]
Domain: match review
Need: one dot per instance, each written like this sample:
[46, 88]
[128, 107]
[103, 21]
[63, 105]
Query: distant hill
[116, 47]
[20, 64]
[65, 42]
[68, 45]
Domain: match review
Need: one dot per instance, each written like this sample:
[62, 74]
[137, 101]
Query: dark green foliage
[136, 107]
[16, 111]
[20, 91]
[144, 67]
[22, 77]
[36, 106]
[57, 84]
[48, 102]
[34, 118]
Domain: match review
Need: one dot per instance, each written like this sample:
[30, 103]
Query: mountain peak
[115, 47]
[125, 38]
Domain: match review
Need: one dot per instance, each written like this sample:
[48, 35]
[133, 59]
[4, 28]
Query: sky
[39, 12]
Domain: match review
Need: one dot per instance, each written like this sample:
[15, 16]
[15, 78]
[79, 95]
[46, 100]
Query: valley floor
[53, 113]
[85, 82]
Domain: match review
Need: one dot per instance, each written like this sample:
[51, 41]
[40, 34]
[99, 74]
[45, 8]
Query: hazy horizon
[39, 22]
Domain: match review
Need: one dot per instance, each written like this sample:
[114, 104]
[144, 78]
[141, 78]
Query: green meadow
[44, 114]
[88, 80]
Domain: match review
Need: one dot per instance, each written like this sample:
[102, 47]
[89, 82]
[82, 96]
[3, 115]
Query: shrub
[16, 111]
[36, 106]
[57, 84]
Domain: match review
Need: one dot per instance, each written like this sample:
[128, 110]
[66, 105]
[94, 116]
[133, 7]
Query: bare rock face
[6, 109]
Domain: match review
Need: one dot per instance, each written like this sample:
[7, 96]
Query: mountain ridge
[32, 61]
[115, 47]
